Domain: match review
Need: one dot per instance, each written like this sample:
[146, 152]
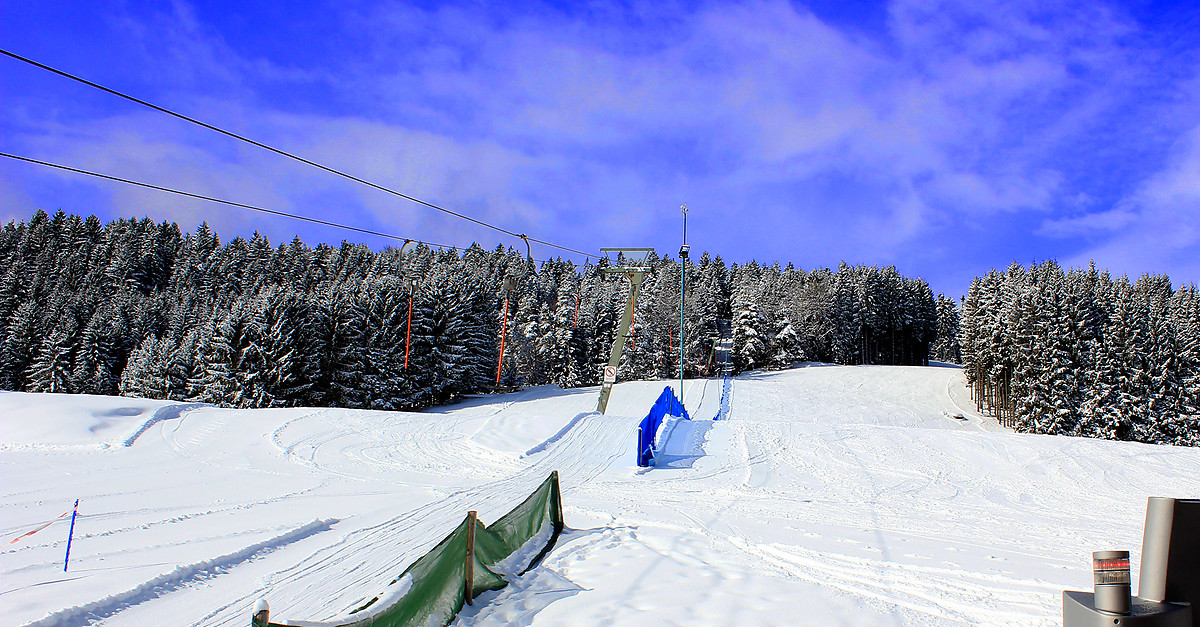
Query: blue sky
[945, 138]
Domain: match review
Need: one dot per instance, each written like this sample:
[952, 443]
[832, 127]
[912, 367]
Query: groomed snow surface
[831, 496]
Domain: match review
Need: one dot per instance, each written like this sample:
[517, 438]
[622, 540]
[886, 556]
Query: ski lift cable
[285, 153]
[231, 203]
[225, 202]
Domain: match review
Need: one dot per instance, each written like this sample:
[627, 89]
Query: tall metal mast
[683, 257]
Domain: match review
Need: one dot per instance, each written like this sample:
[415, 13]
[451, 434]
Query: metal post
[683, 256]
[1171, 551]
[510, 284]
[635, 274]
[503, 336]
[71, 534]
[408, 332]
[412, 286]
[614, 357]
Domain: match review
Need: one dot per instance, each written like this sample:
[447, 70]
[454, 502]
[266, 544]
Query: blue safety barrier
[726, 394]
[666, 405]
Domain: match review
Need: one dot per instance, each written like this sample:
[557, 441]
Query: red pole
[576, 310]
[503, 334]
[632, 333]
[408, 334]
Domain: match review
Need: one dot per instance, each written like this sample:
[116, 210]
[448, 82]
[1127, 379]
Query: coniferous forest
[1081, 353]
[139, 308]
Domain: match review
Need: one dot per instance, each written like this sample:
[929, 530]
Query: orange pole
[632, 332]
[577, 310]
[503, 334]
[408, 333]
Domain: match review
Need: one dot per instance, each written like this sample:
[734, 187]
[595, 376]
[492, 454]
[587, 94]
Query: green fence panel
[438, 587]
[436, 583]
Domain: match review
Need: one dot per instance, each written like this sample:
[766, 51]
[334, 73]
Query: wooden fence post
[470, 553]
[558, 506]
[262, 614]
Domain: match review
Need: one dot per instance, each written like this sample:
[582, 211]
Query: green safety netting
[433, 589]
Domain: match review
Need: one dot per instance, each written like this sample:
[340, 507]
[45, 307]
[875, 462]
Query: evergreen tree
[290, 365]
[22, 339]
[51, 370]
[216, 381]
[750, 348]
[785, 346]
[145, 375]
[946, 347]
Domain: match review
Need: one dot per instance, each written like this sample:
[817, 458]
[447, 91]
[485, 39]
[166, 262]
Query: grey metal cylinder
[1110, 571]
[1171, 553]
[1156, 548]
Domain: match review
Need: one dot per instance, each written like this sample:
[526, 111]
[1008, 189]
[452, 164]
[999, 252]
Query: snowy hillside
[832, 495]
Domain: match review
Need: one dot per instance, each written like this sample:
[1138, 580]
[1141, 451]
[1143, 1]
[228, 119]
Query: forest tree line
[1080, 353]
[139, 308]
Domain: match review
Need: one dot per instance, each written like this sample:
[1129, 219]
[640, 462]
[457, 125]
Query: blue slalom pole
[70, 534]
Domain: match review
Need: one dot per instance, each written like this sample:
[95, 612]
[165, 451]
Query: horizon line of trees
[139, 308]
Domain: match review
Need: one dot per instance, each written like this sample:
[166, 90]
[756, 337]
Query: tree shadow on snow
[528, 394]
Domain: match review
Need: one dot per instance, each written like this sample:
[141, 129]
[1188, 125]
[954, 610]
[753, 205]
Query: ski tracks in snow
[362, 562]
[950, 594]
[849, 488]
[182, 577]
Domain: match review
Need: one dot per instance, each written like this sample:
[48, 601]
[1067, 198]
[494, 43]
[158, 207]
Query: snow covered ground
[831, 496]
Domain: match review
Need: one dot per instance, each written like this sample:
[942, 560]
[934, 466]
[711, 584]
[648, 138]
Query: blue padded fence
[726, 393]
[666, 405]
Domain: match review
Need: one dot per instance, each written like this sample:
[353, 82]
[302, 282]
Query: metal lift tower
[635, 272]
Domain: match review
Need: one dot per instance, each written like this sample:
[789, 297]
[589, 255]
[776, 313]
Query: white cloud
[1156, 228]
[578, 126]
[1099, 223]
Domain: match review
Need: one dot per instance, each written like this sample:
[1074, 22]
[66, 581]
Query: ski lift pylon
[635, 272]
[510, 284]
[412, 282]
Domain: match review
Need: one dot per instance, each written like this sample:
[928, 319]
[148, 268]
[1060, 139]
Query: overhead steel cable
[284, 214]
[226, 202]
[287, 154]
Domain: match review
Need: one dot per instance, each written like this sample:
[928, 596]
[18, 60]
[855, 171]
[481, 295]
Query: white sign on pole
[610, 374]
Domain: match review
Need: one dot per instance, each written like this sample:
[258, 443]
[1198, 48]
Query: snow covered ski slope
[831, 495]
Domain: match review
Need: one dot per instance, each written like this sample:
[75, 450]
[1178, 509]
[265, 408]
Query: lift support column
[635, 274]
